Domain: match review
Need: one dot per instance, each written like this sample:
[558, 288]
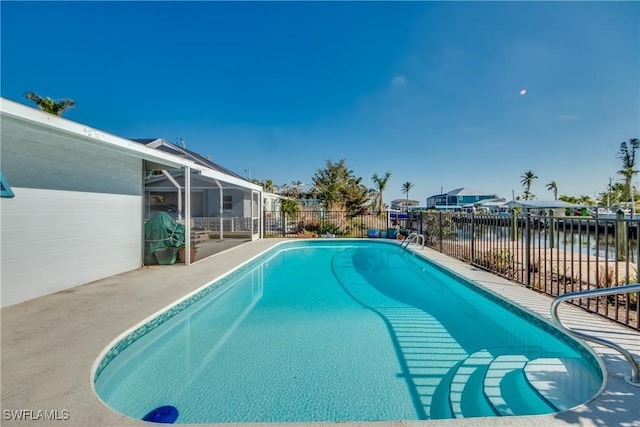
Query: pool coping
[49, 344]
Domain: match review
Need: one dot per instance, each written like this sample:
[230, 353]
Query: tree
[294, 190]
[526, 181]
[289, 207]
[50, 106]
[586, 200]
[569, 199]
[627, 154]
[268, 186]
[381, 183]
[331, 184]
[615, 194]
[356, 196]
[406, 187]
[552, 186]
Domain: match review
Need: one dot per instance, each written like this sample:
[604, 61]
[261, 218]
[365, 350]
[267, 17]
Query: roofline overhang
[91, 136]
[86, 134]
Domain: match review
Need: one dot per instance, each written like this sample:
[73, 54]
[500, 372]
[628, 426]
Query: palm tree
[552, 186]
[526, 181]
[268, 185]
[295, 189]
[381, 183]
[627, 154]
[406, 187]
[50, 106]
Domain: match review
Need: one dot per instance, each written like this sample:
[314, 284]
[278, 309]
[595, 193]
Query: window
[227, 203]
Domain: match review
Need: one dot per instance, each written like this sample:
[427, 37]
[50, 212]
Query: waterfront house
[455, 199]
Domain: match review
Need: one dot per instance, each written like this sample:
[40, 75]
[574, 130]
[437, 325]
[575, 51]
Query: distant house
[496, 205]
[455, 199]
[272, 202]
[230, 203]
[403, 204]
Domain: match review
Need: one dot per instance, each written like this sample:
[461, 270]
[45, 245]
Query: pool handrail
[410, 238]
[634, 379]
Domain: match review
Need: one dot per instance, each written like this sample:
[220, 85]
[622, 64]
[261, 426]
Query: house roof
[166, 146]
[204, 166]
[464, 191]
[404, 202]
[487, 203]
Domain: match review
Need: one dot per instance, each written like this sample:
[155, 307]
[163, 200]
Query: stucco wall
[76, 215]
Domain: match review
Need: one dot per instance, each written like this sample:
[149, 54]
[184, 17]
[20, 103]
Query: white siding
[77, 212]
[53, 240]
[36, 156]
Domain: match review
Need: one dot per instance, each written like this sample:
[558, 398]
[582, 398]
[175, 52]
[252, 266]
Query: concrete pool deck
[49, 344]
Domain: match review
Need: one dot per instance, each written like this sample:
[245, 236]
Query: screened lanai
[206, 196]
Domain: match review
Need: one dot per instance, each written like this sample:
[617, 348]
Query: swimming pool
[343, 330]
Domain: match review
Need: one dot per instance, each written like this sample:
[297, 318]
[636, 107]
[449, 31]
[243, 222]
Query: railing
[229, 224]
[411, 238]
[634, 379]
[551, 254]
[340, 223]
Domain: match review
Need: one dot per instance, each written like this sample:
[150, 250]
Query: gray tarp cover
[159, 232]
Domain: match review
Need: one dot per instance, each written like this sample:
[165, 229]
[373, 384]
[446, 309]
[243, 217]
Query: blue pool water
[344, 330]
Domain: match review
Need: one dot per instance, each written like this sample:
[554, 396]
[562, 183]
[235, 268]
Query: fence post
[552, 227]
[527, 248]
[441, 234]
[284, 224]
[264, 222]
[473, 239]
[621, 241]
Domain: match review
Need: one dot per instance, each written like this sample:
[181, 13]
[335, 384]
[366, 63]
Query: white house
[77, 213]
[226, 205]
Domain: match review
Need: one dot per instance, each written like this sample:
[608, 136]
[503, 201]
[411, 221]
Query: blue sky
[430, 91]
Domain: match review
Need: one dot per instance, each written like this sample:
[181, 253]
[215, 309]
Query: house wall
[77, 212]
[238, 200]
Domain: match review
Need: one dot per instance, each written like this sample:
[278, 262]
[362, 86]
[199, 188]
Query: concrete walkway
[49, 344]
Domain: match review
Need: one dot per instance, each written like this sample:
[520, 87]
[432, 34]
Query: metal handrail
[410, 238]
[634, 379]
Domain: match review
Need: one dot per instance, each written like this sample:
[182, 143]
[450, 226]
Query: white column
[187, 215]
[220, 208]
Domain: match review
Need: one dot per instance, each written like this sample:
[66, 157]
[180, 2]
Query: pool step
[465, 395]
[509, 391]
[563, 382]
[507, 385]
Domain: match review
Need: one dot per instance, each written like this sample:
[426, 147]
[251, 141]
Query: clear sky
[430, 91]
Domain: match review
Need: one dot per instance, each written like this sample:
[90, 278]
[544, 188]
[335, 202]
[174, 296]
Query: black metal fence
[552, 255]
[318, 223]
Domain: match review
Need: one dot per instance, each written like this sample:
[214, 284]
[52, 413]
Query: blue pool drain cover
[164, 414]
